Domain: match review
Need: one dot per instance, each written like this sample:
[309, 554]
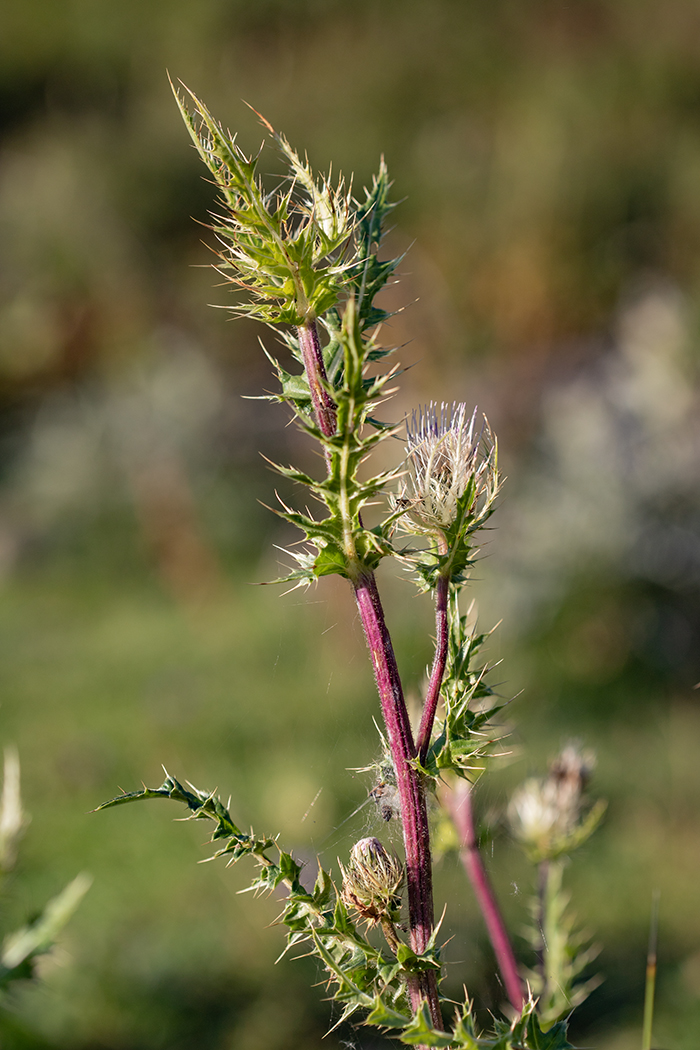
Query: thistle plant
[306, 258]
[372, 885]
[551, 817]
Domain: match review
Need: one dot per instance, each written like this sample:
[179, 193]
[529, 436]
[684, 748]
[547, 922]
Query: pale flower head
[446, 453]
[546, 813]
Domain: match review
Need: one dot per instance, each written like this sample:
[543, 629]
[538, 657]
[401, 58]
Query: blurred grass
[102, 683]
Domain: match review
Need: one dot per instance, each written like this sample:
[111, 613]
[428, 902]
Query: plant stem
[390, 934]
[459, 803]
[542, 900]
[414, 813]
[439, 661]
[324, 407]
[651, 972]
[553, 944]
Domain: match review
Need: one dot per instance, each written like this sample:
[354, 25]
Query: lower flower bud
[372, 881]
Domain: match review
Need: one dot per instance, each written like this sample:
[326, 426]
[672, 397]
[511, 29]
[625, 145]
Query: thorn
[265, 123]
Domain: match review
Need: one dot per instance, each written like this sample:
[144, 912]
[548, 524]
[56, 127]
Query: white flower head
[545, 813]
[445, 454]
[534, 812]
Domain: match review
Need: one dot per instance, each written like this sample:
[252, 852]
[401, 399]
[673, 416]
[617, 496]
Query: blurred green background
[549, 157]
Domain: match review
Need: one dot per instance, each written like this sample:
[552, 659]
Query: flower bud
[372, 881]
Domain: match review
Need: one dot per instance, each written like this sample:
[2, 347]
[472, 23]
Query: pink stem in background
[438, 671]
[414, 814]
[324, 406]
[459, 803]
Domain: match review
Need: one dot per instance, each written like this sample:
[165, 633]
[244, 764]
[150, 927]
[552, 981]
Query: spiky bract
[445, 459]
[372, 881]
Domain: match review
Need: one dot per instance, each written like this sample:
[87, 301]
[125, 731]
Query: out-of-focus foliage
[550, 158]
[24, 948]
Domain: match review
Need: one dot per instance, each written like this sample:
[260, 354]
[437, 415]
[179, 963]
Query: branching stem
[439, 661]
[414, 813]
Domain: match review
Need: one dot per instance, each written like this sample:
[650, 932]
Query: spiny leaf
[421, 1032]
[384, 1016]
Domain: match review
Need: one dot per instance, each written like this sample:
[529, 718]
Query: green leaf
[464, 1033]
[421, 1032]
[384, 1016]
[341, 920]
[528, 1034]
[289, 869]
[322, 889]
[554, 1039]
[406, 956]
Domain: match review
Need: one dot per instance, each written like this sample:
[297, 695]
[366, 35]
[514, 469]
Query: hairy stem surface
[552, 946]
[459, 803]
[324, 407]
[414, 813]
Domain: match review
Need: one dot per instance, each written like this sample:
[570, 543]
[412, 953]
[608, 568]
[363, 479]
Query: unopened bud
[372, 881]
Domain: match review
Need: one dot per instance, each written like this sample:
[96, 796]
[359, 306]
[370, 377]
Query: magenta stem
[459, 802]
[438, 670]
[324, 406]
[414, 813]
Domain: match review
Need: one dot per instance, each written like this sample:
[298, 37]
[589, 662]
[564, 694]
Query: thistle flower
[446, 460]
[547, 814]
[372, 881]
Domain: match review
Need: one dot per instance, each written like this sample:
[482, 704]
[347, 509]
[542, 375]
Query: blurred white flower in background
[616, 486]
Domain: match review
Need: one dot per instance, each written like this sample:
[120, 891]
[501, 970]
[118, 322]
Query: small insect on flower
[446, 456]
[386, 796]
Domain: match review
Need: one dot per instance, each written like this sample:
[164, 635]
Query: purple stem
[414, 814]
[438, 671]
[324, 406]
[459, 802]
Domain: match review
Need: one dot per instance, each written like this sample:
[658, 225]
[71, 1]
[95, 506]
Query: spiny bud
[372, 881]
[546, 814]
[445, 458]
